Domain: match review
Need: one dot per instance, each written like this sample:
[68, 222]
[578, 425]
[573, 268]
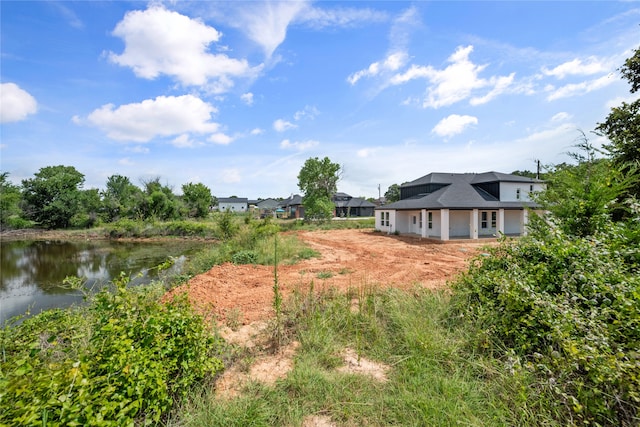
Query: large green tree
[622, 125]
[197, 198]
[120, 197]
[583, 197]
[52, 197]
[318, 180]
[159, 202]
[392, 194]
[9, 200]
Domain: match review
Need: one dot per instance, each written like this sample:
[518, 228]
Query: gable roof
[233, 200]
[291, 201]
[357, 202]
[459, 191]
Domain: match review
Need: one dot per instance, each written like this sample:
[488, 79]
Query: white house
[233, 204]
[447, 206]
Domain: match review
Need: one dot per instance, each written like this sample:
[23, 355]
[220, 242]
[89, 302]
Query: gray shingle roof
[460, 193]
[233, 200]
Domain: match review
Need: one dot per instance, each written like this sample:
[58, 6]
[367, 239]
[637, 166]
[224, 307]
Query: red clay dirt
[352, 258]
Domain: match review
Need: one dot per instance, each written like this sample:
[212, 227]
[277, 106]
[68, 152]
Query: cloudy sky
[237, 95]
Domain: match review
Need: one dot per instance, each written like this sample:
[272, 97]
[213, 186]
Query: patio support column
[425, 231]
[501, 221]
[474, 224]
[444, 224]
[524, 220]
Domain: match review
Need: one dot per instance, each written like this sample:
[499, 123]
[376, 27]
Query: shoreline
[86, 234]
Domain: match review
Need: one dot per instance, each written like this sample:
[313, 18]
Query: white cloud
[185, 141]
[256, 131]
[125, 161]
[577, 67]
[158, 41]
[247, 98]
[15, 103]
[617, 102]
[453, 125]
[220, 138]
[69, 15]
[340, 17]
[403, 25]
[456, 82]
[581, 88]
[298, 145]
[266, 23]
[366, 152]
[140, 149]
[281, 125]
[561, 117]
[500, 85]
[308, 112]
[163, 116]
[231, 176]
[392, 62]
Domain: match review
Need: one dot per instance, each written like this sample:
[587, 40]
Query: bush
[122, 361]
[244, 257]
[190, 228]
[566, 308]
[124, 228]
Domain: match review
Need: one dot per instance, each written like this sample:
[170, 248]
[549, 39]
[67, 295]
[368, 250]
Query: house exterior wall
[487, 226]
[513, 222]
[459, 224]
[518, 191]
[233, 207]
[386, 221]
[452, 223]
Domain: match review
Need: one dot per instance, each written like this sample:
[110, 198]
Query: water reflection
[32, 272]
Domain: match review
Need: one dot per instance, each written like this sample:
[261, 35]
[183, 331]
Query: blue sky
[237, 95]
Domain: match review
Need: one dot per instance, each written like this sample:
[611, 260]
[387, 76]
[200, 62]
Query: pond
[32, 272]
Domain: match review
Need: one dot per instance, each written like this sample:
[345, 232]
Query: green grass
[433, 380]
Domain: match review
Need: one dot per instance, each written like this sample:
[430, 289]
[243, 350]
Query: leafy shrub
[122, 361]
[16, 222]
[566, 308]
[244, 257]
[190, 228]
[227, 225]
[124, 228]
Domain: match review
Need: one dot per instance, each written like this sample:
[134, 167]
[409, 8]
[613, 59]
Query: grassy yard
[431, 378]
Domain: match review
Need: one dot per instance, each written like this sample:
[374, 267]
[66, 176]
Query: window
[430, 220]
[518, 194]
[483, 220]
[386, 216]
[414, 220]
[531, 188]
[420, 225]
[382, 219]
[493, 220]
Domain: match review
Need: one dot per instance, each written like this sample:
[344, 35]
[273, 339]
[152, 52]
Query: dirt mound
[349, 259]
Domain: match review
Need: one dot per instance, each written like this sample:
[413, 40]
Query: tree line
[54, 198]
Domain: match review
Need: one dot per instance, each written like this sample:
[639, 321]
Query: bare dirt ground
[348, 259]
[243, 294]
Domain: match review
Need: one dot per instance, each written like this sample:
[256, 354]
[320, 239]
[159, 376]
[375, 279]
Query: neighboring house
[347, 206]
[447, 206]
[233, 204]
[265, 207]
[291, 207]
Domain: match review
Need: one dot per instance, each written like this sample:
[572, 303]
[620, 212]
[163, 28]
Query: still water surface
[32, 272]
